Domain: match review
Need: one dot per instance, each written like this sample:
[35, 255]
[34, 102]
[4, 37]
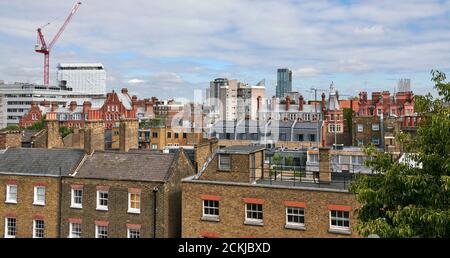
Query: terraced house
[237, 194]
[119, 195]
[30, 189]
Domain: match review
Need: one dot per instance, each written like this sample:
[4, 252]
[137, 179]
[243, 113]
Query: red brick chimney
[288, 103]
[54, 106]
[323, 102]
[87, 105]
[73, 105]
[300, 103]
[124, 91]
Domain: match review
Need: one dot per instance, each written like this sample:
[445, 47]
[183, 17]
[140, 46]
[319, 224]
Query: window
[357, 160]
[176, 135]
[134, 202]
[154, 146]
[38, 228]
[77, 198]
[74, 230]
[101, 231]
[300, 137]
[102, 200]
[210, 208]
[375, 127]
[169, 135]
[134, 233]
[11, 193]
[224, 162]
[10, 228]
[295, 216]
[312, 137]
[313, 158]
[253, 212]
[184, 135]
[155, 134]
[39, 195]
[360, 128]
[360, 142]
[339, 220]
[375, 140]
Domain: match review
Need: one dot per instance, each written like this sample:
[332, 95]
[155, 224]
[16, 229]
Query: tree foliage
[404, 200]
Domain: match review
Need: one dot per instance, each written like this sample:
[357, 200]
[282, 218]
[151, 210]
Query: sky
[168, 49]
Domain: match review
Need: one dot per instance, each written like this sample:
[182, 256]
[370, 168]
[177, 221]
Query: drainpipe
[155, 191]
[60, 203]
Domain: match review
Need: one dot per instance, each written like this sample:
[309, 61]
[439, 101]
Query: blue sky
[170, 48]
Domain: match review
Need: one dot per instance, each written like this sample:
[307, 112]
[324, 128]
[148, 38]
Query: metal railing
[298, 176]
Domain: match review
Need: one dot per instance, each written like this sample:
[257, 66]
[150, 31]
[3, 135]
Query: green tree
[64, 131]
[276, 159]
[402, 200]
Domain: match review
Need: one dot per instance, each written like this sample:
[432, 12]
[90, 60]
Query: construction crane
[42, 47]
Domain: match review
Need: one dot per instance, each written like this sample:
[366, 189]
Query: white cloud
[254, 37]
[135, 81]
[306, 71]
[375, 30]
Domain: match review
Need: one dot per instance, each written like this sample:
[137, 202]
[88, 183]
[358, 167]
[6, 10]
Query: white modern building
[16, 99]
[85, 78]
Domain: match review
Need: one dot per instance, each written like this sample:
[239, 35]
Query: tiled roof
[45, 162]
[114, 165]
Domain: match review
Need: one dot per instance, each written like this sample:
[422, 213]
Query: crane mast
[41, 46]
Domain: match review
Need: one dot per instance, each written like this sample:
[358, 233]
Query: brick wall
[24, 210]
[10, 139]
[232, 211]
[117, 214]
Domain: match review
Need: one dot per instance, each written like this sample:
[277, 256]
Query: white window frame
[376, 128]
[102, 207]
[6, 228]
[35, 228]
[97, 231]
[295, 223]
[255, 211]
[71, 230]
[134, 210]
[8, 194]
[129, 232]
[35, 199]
[229, 162]
[154, 146]
[377, 142]
[73, 204]
[211, 207]
[341, 228]
[360, 128]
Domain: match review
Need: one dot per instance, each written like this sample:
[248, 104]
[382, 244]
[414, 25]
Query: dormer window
[224, 162]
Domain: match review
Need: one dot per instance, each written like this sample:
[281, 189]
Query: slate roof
[42, 162]
[143, 166]
[242, 149]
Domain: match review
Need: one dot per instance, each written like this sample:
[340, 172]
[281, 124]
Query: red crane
[41, 46]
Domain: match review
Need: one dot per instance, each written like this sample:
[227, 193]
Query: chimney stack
[87, 105]
[94, 132]
[274, 102]
[124, 91]
[54, 138]
[324, 165]
[73, 105]
[54, 106]
[128, 134]
[323, 103]
[300, 103]
[288, 103]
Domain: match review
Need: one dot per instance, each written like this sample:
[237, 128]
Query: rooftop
[143, 166]
[41, 162]
[242, 149]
